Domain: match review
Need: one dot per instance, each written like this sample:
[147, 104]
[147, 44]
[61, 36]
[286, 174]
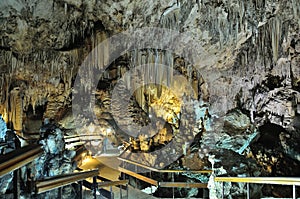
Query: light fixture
[91, 128]
[108, 131]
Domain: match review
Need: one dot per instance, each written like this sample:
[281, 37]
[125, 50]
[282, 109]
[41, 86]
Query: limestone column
[16, 109]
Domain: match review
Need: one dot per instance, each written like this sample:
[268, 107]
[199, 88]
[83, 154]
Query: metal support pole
[205, 193]
[248, 191]
[294, 191]
[158, 190]
[222, 190]
[127, 191]
[173, 187]
[121, 191]
[59, 193]
[123, 176]
[16, 183]
[111, 193]
[95, 186]
[80, 190]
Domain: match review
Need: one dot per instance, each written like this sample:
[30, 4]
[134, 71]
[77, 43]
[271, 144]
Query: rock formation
[243, 80]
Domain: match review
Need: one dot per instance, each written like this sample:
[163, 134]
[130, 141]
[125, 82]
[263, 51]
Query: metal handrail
[294, 181]
[164, 170]
[261, 180]
[18, 158]
[71, 136]
[159, 170]
[62, 180]
[112, 183]
[151, 181]
[156, 183]
[139, 176]
[183, 184]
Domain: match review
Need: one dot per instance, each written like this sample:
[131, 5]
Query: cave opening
[34, 118]
[270, 135]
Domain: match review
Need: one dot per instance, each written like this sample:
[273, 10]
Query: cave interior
[159, 98]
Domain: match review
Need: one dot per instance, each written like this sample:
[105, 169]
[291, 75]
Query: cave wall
[251, 62]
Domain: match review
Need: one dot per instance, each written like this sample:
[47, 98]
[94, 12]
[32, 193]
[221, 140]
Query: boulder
[236, 122]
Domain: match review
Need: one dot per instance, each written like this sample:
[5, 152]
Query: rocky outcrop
[56, 160]
[236, 165]
[290, 144]
[5, 180]
[3, 129]
[236, 122]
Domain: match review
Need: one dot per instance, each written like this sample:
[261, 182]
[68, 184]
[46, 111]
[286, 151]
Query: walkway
[108, 169]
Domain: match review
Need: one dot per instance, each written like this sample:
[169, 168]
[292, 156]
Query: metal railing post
[111, 193]
[205, 193]
[294, 191]
[127, 191]
[16, 184]
[248, 191]
[121, 191]
[59, 193]
[80, 190]
[173, 186]
[95, 187]
[222, 190]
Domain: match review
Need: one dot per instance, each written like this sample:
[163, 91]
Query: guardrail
[56, 182]
[18, 158]
[163, 170]
[115, 183]
[82, 137]
[98, 186]
[79, 140]
[62, 180]
[154, 182]
[172, 184]
[260, 180]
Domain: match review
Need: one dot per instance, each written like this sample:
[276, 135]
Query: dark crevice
[270, 135]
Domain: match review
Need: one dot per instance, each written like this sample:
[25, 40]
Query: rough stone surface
[5, 180]
[56, 160]
[250, 63]
[3, 128]
[236, 122]
[290, 144]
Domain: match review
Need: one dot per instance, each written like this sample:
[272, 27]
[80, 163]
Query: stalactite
[170, 17]
[296, 11]
[2, 89]
[151, 66]
[66, 8]
[13, 64]
[221, 25]
[275, 30]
